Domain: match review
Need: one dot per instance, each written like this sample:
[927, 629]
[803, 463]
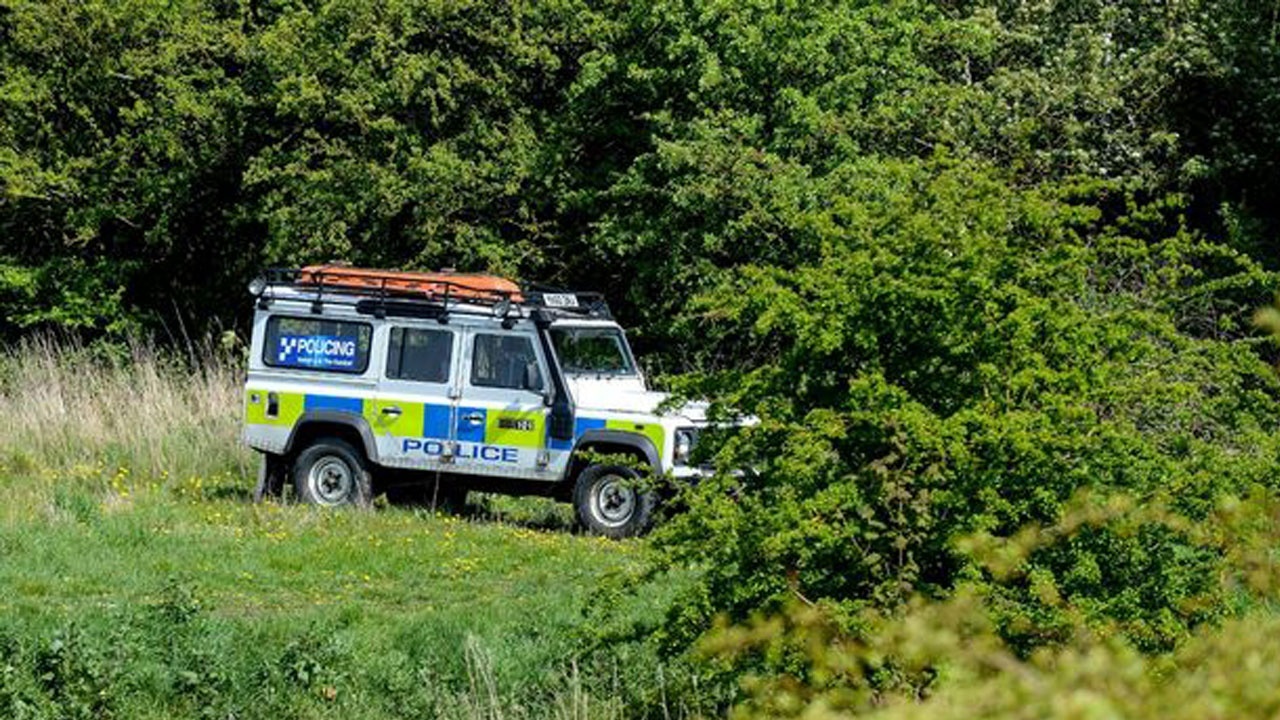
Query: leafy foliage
[154, 154]
[946, 658]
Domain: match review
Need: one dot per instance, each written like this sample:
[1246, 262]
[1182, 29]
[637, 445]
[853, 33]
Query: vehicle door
[413, 414]
[501, 421]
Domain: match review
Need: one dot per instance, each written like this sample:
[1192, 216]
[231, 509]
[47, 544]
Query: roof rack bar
[333, 285]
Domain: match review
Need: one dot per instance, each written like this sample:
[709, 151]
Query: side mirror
[532, 380]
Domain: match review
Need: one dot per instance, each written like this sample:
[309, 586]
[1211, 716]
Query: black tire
[609, 502]
[331, 473]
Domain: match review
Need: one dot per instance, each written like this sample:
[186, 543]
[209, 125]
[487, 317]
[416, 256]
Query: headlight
[684, 446]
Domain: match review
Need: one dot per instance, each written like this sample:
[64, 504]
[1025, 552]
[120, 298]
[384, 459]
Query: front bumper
[692, 472]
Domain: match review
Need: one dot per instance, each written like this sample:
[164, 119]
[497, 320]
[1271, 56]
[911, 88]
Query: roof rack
[433, 295]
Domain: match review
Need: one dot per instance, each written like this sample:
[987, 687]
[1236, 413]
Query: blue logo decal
[317, 351]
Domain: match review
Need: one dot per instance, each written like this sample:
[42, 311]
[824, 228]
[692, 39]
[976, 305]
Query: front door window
[505, 361]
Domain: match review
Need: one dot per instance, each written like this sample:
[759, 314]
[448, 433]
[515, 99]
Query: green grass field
[175, 600]
[138, 580]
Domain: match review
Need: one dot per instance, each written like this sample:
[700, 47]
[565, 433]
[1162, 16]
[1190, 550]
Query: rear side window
[421, 355]
[317, 344]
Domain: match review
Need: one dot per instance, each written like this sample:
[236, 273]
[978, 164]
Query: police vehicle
[363, 379]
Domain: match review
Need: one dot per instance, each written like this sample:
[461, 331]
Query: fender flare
[632, 440]
[336, 417]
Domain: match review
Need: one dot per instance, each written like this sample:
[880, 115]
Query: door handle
[391, 410]
[474, 418]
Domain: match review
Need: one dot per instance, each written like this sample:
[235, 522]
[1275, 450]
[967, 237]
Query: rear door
[413, 413]
[501, 421]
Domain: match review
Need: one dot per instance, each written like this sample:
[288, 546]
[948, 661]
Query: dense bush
[948, 659]
[956, 371]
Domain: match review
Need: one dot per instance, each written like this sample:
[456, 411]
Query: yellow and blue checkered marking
[514, 428]
[435, 420]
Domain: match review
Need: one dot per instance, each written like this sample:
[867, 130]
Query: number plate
[560, 300]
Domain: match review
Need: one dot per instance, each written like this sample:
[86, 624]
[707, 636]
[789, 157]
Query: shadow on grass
[230, 493]
[532, 513]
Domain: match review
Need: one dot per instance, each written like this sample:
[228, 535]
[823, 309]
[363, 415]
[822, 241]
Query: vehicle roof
[583, 322]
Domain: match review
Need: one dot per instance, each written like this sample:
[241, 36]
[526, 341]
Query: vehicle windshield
[592, 351]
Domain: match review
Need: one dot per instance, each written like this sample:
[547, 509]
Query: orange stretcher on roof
[459, 286]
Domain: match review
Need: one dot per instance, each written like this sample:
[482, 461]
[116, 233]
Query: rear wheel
[331, 473]
[609, 501]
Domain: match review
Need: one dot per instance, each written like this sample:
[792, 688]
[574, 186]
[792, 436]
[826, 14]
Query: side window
[317, 344]
[418, 354]
[505, 361]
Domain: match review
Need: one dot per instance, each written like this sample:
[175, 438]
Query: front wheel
[331, 473]
[609, 502]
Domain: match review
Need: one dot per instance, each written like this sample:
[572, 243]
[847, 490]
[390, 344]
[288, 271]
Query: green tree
[119, 142]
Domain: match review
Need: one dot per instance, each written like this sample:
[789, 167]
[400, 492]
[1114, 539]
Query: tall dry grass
[155, 412]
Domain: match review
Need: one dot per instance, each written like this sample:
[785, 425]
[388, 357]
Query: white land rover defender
[360, 379]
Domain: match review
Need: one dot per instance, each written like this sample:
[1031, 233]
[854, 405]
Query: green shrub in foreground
[1227, 672]
[914, 390]
[943, 659]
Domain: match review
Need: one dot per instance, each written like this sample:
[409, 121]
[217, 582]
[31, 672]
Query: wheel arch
[612, 441]
[332, 423]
